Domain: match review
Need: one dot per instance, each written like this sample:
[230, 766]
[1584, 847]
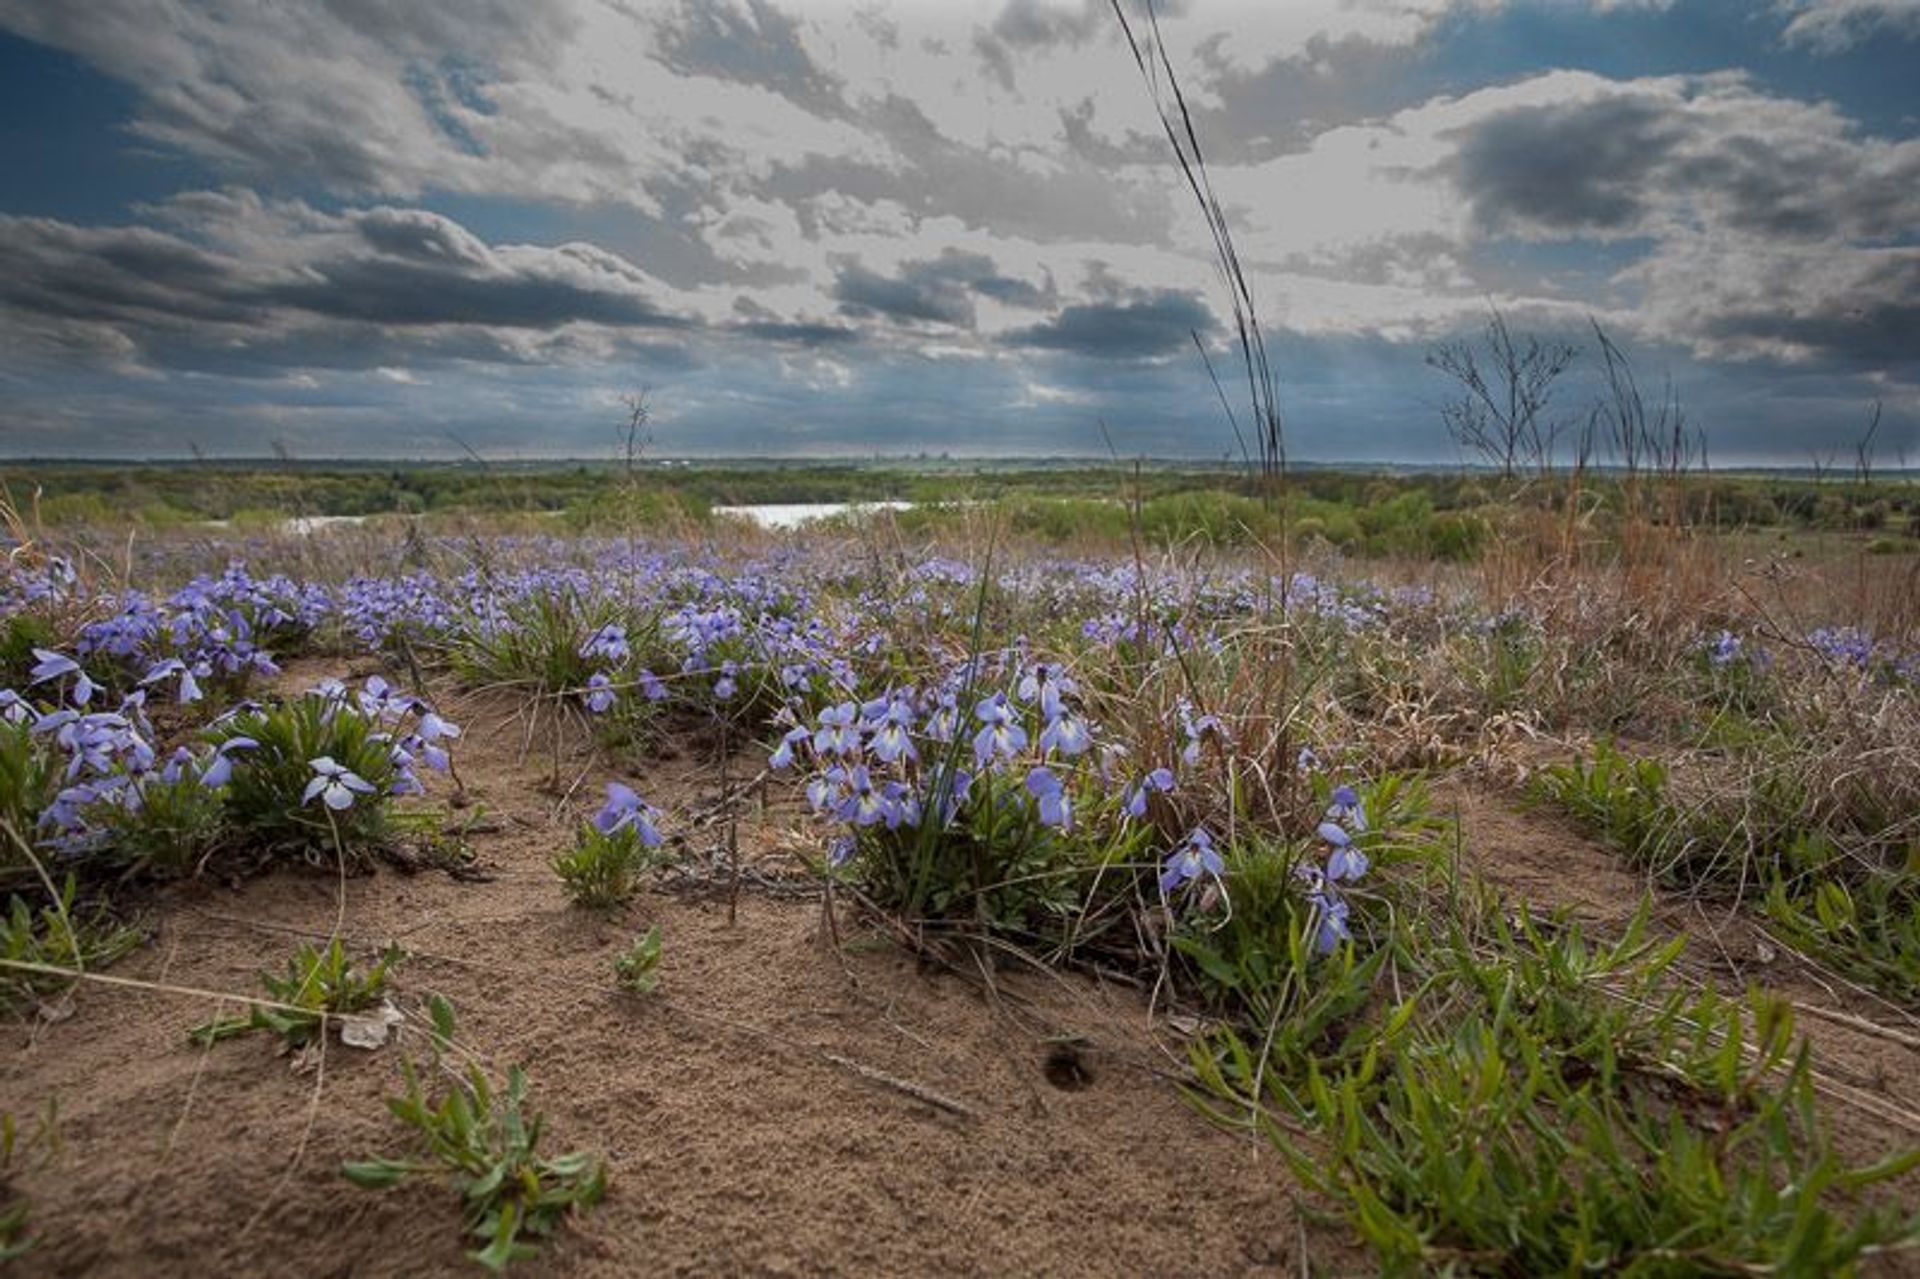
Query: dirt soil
[778, 1107]
[775, 1108]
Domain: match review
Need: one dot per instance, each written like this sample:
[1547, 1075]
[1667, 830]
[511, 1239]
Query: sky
[350, 228]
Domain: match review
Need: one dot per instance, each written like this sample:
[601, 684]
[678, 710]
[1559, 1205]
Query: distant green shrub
[1457, 537]
[1065, 519]
[1401, 525]
[1220, 519]
[619, 509]
[1329, 520]
[64, 510]
[258, 519]
[164, 515]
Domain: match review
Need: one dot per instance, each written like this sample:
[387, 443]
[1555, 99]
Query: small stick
[1861, 1024]
[299, 1148]
[180, 1123]
[733, 824]
[906, 1086]
[833, 922]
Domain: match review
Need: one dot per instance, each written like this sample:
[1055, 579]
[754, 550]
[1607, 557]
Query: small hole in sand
[1066, 1068]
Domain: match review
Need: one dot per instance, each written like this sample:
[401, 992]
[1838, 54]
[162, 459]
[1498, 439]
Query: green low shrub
[319, 985]
[486, 1144]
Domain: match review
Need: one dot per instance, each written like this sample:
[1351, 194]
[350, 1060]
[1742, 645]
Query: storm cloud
[938, 290]
[290, 286]
[1588, 167]
[1156, 324]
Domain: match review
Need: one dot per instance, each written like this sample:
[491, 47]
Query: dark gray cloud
[1588, 167]
[1762, 229]
[978, 272]
[804, 333]
[936, 291]
[1029, 24]
[1798, 188]
[933, 300]
[996, 59]
[328, 347]
[62, 272]
[755, 320]
[1724, 157]
[392, 294]
[322, 290]
[429, 270]
[1839, 310]
[1878, 332]
[1085, 143]
[1152, 325]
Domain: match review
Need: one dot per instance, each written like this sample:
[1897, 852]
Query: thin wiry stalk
[1176, 119]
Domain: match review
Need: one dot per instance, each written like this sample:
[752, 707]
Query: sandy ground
[761, 1114]
[776, 1108]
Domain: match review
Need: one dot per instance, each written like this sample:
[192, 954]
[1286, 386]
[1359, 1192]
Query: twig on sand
[1860, 1024]
[916, 1091]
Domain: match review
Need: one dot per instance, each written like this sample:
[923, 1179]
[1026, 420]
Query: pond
[791, 515]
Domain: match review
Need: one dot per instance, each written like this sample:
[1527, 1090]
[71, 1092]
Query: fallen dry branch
[919, 1092]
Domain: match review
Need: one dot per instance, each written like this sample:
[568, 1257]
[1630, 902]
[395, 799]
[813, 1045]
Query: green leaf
[375, 1174]
[441, 1013]
[501, 1250]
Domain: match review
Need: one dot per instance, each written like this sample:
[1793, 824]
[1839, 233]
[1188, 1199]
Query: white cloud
[1834, 26]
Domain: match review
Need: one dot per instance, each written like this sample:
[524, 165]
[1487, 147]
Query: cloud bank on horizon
[360, 229]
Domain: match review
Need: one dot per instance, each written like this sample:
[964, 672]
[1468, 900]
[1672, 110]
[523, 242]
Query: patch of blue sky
[438, 90]
[65, 145]
[1571, 268]
[1872, 81]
